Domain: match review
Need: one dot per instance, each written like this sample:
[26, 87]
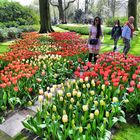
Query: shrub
[13, 33]
[3, 35]
[13, 14]
[110, 21]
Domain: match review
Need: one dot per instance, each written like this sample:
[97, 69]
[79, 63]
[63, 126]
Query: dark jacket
[116, 31]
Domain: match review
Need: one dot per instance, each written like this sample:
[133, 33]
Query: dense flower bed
[82, 108]
[28, 67]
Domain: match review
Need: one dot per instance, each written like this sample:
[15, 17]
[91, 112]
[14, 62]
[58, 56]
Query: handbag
[93, 41]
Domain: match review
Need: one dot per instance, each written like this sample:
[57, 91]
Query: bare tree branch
[56, 5]
[69, 4]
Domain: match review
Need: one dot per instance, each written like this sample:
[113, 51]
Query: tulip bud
[72, 100]
[61, 99]
[103, 87]
[81, 80]
[93, 83]
[68, 94]
[84, 86]
[86, 79]
[96, 112]
[88, 126]
[78, 104]
[50, 95]
[64, 118]
[70, 107]
[91, 116]
[85, 107]
[115, 99]
[54, 108]
[74, 92]
[102, 103]
[126, 101]
[41, 91]
[96, 103]
[40, 98]
[88, 85]
[107, 114]
[80, 129]
[60, 92]
[78, 94]
[92, 92]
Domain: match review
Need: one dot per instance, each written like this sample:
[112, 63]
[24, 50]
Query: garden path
[13, 124]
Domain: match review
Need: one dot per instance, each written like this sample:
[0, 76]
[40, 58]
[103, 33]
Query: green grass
[4, 46]
[57, 29]
[128, 132]
[20, 136]
[3, 136]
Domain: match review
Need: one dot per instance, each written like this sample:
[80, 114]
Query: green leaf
[5, 98]
[60, 135]
[42, 126]
[123, 113]
[138, 117]
[70, 132]
[29, 126]
[122, 119]
[107, 135]
[115, 119]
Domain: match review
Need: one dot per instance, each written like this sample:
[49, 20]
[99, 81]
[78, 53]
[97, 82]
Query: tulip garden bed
[87, 107]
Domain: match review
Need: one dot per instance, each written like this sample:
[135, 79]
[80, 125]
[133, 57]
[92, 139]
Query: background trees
[62, 7]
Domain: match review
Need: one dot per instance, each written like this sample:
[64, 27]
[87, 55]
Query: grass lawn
[4, 46]
[128, 132]
[21, 136]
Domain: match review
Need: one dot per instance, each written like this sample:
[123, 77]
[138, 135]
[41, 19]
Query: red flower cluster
[67, 44]
[15, 71]
[20, 50]
[114, 69]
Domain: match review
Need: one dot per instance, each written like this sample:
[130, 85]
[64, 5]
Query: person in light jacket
[127, 34]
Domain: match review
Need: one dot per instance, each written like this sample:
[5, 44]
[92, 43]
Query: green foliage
[29, 28]
[13, 32]
[110, 21]
[79, 28]
[13, 14]
[2, 25]
[134, 103]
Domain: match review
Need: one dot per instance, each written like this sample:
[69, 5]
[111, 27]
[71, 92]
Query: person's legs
[126, 46]
[90, 57]
[115, 44]
[95, 58]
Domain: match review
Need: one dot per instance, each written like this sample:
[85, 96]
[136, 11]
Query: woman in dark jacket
[116, 33]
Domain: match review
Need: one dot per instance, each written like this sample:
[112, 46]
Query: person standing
[127, 34]
[116, 33]
[94, 33]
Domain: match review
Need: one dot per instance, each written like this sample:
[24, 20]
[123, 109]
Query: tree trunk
[78, 4]
[113, 7]
[86, 10]
[45, 21]
[61, 11]
[132, 11]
